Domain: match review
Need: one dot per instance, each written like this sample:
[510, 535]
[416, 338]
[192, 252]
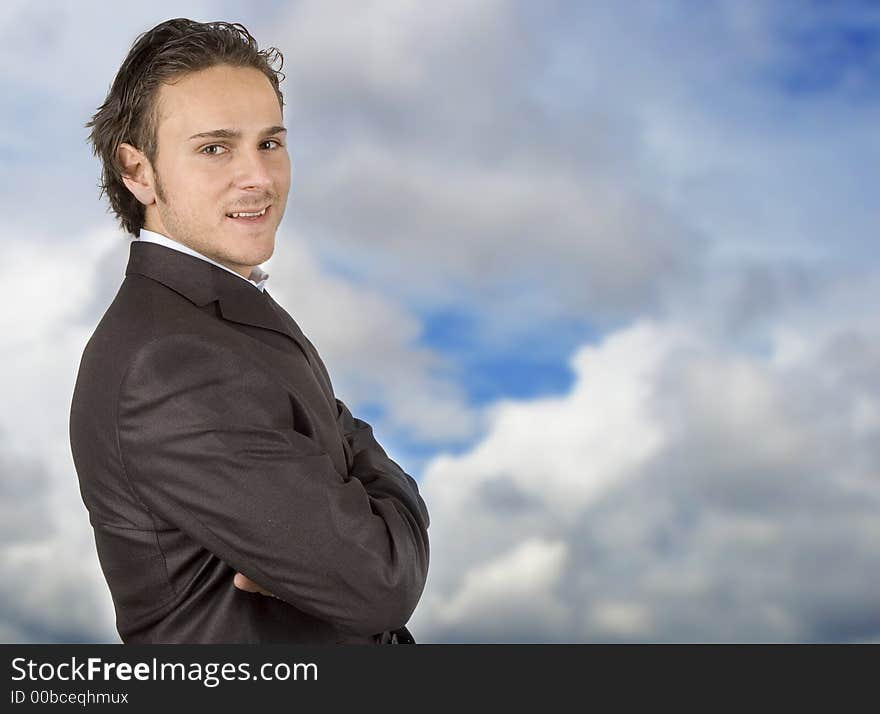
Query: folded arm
[209, 444]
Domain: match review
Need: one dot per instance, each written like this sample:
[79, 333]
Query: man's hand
[244, 583]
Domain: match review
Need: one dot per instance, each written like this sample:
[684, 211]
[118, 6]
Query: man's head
[180, 80]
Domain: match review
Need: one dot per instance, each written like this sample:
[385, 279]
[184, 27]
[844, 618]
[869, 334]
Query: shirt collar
[258, 275]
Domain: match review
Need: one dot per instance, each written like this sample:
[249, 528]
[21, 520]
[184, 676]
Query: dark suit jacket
[207, 440]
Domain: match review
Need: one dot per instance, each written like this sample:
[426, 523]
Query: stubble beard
[201, 243]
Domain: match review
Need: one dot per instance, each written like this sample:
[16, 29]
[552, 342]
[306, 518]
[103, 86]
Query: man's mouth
[256, 216]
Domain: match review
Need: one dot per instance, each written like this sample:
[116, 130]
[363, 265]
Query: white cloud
[487, 229]
[53, 589]
[383, 49]
[699, 493]
[563, 451]
[622, 618]
[517, 586]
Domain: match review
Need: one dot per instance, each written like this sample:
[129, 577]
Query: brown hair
[129, 113]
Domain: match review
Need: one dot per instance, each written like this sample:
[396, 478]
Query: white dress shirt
[258, 275]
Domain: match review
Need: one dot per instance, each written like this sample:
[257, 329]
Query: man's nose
[252, 170]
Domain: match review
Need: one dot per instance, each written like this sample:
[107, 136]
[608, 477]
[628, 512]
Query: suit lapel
[202, 283]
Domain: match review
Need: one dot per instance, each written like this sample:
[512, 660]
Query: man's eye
[273, 141]
[211, 153]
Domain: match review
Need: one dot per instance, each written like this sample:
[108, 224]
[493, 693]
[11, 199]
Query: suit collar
[258, 276]
[202, 282]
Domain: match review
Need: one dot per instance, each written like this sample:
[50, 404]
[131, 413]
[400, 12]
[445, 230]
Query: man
[233, 497]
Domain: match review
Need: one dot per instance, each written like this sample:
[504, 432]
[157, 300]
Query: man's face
[200, 181]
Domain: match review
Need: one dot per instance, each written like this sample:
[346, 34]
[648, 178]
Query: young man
[233, 497]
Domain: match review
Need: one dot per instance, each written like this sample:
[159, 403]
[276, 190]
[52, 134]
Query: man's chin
[250, 258]
[248, 250]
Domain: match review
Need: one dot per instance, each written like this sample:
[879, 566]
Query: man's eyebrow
[234, 134]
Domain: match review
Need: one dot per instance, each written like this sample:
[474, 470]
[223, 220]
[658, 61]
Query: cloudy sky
[600, 274]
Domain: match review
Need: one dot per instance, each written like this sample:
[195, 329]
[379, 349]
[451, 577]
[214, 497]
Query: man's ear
[137, 174]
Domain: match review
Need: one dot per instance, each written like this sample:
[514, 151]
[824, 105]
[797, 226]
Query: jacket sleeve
[383, 478]
[209, 444]
[374, 467]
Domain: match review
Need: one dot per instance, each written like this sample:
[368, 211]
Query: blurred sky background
[600, 274]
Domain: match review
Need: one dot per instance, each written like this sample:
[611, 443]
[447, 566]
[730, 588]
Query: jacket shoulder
[142, 311]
